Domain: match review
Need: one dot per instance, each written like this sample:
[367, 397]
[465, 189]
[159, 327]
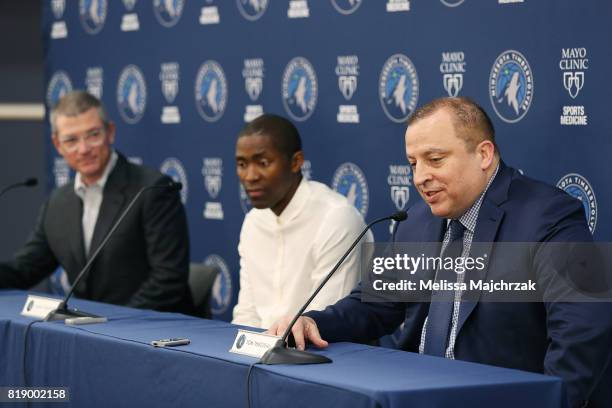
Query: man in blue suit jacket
[463, 182]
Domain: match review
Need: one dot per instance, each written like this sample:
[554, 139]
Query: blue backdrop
[180, 78]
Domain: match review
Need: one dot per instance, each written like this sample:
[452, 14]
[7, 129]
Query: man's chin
[440, 211]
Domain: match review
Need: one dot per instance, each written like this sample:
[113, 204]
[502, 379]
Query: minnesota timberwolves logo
[211, 91]
[59, 85]
[174, 169]
[222, 288]
[398, 88]
[245, 203]
[240, 342]
[577, 186]
[131, 94]
[93, 15]
[511, 86]
[346, 6]
[452, 3]
[252, 9]
[299, 89]
[350, 181]
[168, 12]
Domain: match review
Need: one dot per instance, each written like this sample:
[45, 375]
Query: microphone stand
[279, 353]
[62, 312]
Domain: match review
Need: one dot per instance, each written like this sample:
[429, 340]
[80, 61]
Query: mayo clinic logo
[58, 29]
[452, 3]
[129, 21]
[347, 71]
[58, 7]
[452, 69]
[212, 171]
[573, 64]
[350, 181]
[61, 171]
[399, 180]
[253, 74]
[129, 4]
[346, 6]
[59, 85]
[245, 202]
[131, 94]
[299, 89]
[93, 15]
[174, 169]
[511, 86]
[579, 187]
[222, 288]
[252, 9]
[211, 91]
[398, 88]
[169, 77]
[94, 81]
[168, 12]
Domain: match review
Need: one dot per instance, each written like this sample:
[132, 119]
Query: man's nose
[420, 175]
[251, 174]
[83, 146]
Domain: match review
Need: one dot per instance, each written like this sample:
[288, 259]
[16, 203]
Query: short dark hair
[73, 104]
[284, 134]
[472, 123]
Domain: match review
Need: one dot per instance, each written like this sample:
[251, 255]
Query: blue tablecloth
[112, 364]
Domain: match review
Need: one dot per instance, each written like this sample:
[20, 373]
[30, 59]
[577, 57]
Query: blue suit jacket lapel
[490, 217]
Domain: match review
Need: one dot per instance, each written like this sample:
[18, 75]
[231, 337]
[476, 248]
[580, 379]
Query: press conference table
[112, 365]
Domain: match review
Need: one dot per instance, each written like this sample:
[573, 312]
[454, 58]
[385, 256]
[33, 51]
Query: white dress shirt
[284, 258]
[91, 195]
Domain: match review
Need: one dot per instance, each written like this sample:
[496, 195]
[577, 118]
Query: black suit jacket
[145, 263]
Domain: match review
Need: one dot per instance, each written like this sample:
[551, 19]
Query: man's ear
[297, 160]
[486, 150]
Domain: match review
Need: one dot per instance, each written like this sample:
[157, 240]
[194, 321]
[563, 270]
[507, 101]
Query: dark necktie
[442, 301]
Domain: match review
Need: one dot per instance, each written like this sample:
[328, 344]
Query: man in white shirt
[296, 232]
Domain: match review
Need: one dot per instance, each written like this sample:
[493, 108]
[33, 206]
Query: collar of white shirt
[80, 187]
[295, 206]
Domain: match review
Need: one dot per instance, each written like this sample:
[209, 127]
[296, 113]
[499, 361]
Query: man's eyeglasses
[92, 138]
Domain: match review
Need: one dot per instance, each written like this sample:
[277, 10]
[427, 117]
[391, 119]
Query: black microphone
[30, 182]
[62, 312]
[280, 354]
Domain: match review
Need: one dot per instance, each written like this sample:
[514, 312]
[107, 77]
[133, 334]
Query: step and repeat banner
[181, 77]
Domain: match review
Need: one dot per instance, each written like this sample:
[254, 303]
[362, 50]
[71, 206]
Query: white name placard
[39, 307]
[253, 344]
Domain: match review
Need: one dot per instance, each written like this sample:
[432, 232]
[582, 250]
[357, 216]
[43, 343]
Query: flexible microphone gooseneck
[62, 312]
[280, 354]
[30, 182]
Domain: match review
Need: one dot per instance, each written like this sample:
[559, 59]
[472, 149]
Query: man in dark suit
[145, 263]
[471, 196]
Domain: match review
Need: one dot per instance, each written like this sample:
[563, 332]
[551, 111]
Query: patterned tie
[441, 306]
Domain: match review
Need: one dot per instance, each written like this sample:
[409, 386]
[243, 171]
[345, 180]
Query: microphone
[279, 353]
[62, 312]
[30, 182]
